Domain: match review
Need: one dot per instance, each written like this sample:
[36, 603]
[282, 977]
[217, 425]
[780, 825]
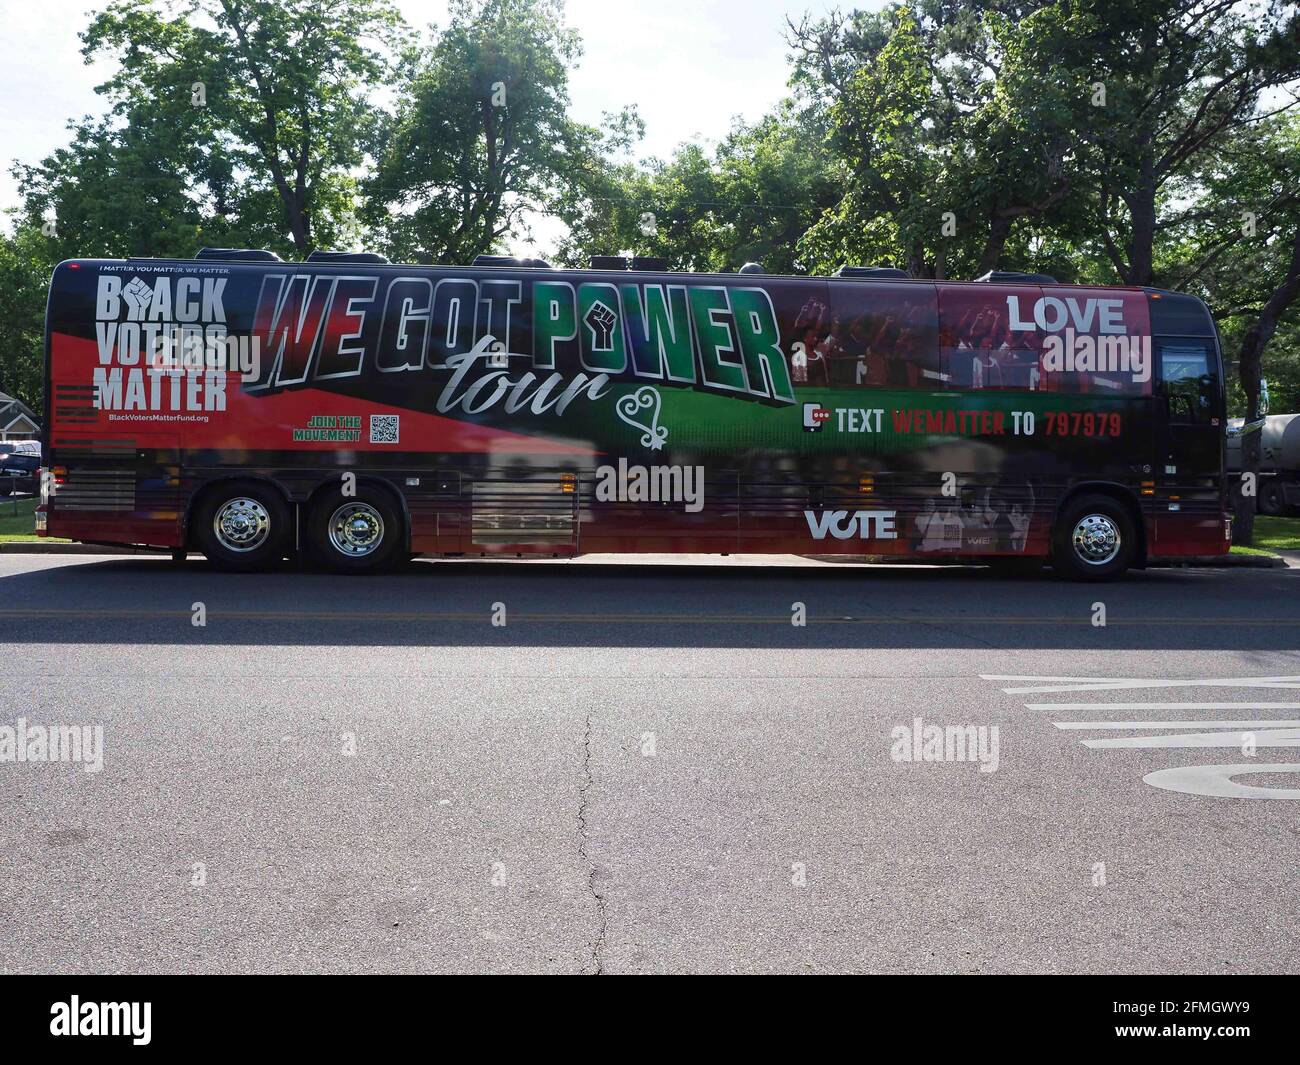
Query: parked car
[19, 472]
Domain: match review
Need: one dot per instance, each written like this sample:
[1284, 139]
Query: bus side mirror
[1263, 397]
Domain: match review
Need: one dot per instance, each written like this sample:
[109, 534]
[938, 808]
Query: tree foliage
[482, 135]
[749, 199]
[267, 100]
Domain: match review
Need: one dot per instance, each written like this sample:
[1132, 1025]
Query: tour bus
[358, 413]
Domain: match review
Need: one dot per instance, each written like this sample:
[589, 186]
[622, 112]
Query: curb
[1221, 562]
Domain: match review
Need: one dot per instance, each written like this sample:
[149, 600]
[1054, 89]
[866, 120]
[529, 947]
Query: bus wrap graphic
[804, 365]
[886, 417]
[717, 339]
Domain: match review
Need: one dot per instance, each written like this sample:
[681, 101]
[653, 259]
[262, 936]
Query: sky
[688, 65]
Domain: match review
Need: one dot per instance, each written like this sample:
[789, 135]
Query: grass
[18, 521]
[1277, 534]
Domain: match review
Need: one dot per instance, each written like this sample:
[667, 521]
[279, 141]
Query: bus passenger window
[981, 351]
[882, 335]
[1189, 380]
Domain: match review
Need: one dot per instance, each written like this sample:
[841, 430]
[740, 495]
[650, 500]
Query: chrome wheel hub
[1096, 539]
[241, 524]
[356, 529]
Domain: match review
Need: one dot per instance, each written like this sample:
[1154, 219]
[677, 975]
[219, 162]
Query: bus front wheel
[1094, 539]
[360, 533]
[242, 526]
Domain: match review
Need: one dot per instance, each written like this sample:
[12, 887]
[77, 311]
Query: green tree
[950, 140]
[749, 199]
[1235, 252]
[1152, 88]
[25, 266]
[1240, 252]
[113, 191]
[482, 134]
[870, 76]
[269, 96]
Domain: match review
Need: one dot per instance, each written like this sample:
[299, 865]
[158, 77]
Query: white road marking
[1248, 681]
[1116, 684]
[1163, 706]
[1023, 676]
[1209, 780]
[1272, 723]
[1283, 737]
[1216, 781]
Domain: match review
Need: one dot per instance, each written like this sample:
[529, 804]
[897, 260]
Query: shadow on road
[552, 604]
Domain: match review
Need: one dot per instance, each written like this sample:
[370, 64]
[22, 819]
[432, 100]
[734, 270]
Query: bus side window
[1188, 380]
[980, 348]
[881, 336]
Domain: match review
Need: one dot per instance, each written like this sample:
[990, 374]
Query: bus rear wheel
[242, 526]
[1094, 539]
[360, 533]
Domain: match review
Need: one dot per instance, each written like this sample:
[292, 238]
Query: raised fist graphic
[138, 295]
[600, 320]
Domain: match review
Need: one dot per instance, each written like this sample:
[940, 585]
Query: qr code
[383, 428]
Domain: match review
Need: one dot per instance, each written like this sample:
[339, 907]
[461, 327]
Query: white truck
[1278, 491]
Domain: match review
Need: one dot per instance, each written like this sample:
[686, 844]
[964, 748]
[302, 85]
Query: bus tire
[242, 526]
[359, 533]
[1095, 539]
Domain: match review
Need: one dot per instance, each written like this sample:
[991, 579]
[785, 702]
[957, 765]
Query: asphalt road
[646, 768]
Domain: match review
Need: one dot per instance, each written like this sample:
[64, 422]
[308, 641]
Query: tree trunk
[1243, 504]
[299, 218]
[916, 264]
[1141, 246]
[999, 230]
[299, 227]
[292, 200]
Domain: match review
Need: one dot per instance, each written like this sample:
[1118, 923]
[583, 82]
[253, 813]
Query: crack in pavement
[583, 837]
